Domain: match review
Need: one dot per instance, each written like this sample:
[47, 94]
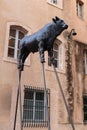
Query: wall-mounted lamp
[72, 33]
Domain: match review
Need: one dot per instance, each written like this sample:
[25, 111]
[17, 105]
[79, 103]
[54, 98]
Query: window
[85, 108]
[85, 59]
[15, 31]
[79, 7]
[15, 35]
[34, 113]
[57, 50]
[56, 3]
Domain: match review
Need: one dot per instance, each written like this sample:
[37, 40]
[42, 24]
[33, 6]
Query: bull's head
[60, 25]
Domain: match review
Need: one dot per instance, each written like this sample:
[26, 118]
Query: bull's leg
[41, 51]
[24, 58]
[21, 53]
[51, 56]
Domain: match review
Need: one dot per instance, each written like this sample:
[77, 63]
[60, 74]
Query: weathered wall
[35, 14]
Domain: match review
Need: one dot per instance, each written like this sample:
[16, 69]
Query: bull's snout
[65, 26]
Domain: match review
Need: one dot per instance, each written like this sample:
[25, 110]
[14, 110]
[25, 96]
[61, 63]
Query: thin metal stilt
[18, 94]
[60, 86]
[45, 95]
[20, 105]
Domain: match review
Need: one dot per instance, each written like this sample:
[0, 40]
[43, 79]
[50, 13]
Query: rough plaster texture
[34, 14]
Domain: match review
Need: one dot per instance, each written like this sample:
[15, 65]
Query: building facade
[24, 17]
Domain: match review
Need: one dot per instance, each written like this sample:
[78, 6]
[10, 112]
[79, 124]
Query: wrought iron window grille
[85, 108]
[34, 111]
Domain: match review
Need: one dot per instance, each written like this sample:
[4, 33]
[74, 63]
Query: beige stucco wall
[33, 15]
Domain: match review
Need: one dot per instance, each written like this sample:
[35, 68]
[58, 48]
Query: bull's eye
[62, 21]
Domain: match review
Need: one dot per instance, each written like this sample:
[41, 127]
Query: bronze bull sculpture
[41, 41]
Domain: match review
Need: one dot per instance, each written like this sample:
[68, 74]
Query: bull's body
[42, 40]
[46, 34]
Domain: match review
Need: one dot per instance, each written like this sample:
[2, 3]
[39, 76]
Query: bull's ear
[54, 20]
[57, 18]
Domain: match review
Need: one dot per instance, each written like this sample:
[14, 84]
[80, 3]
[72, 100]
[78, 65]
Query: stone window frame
[57, 54]
[21, 27]
[56, 3]
[61, 67]
[80, 8]
[32, 122]
[16, 33]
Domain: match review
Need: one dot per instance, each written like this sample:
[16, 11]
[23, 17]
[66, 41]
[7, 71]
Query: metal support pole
[60, 86]
[20, 102]
[45, 95]
[18, 97]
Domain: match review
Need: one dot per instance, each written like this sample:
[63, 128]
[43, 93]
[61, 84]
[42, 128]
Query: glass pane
[21, 35]
[17, 53]
[39, 96]
[85, 108]
[58, 64]
[55, 46]
[39, 114]
[55, 64]
[39, 110]
[28, 109]
[12, 42]
[39, 105]
[55, 1]
[28, 114]
[12, 32]
[55, 54]
[10, 52]
[85, 116]
[18, 43]
[85, 100]
[29, 95]
[28, 103]
[49, 62]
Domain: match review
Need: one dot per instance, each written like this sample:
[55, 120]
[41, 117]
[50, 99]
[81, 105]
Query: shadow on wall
[5, 103]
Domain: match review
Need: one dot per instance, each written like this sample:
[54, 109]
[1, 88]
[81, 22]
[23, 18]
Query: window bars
[85, 108]
[34, 110]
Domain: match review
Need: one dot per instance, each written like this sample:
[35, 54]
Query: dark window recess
[34, 112]
[80, 8]
[85, 108]
[57, 56]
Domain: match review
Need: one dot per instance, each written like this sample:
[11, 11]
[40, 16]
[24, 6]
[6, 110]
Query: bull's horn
[56, 18]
